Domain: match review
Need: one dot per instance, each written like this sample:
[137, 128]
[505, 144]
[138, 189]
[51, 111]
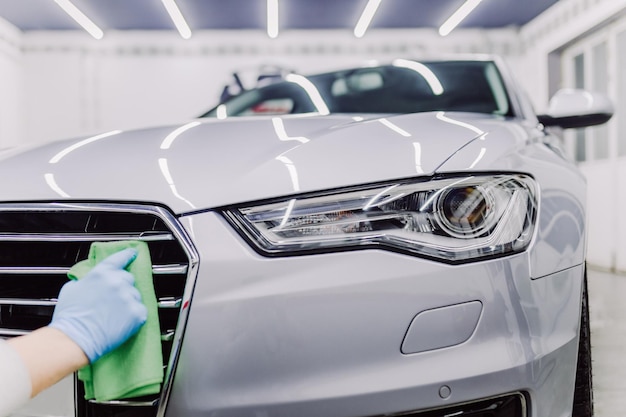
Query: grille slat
[169, 269]
[118, 403]
[167, 336]
[167, 302]
[156, 269]
[13, 332]
[32, 270]
[39, 243]
[78, 237]
[28, 302]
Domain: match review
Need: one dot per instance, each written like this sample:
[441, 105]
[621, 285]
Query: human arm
[15, 384]
[92, 317]
[49, 355]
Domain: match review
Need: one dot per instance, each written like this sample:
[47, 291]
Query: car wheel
[583, 392]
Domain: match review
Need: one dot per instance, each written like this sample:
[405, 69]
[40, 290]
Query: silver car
[400, 239]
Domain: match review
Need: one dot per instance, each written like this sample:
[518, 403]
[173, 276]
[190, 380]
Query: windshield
[403, 87]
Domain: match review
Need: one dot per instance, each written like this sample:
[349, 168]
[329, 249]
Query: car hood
[209, 163]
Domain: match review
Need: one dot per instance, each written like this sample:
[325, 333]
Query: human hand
[103, 309]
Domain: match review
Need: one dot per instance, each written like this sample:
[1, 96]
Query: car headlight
[453, 219]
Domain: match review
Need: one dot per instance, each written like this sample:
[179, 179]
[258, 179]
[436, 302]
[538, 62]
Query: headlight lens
[454, 219]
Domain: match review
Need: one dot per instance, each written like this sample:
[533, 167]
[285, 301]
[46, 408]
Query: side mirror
[571, 108]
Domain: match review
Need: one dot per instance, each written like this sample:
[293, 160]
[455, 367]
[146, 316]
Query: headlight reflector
[454, 219]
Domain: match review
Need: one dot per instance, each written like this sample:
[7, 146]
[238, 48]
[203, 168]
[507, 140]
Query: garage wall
[10, 85]
[562, 25]
[77, 85]
[553, 40]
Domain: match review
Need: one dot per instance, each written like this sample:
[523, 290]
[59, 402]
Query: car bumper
[324, 334]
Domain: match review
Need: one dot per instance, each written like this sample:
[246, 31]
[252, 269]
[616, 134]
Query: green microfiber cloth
[136, 367]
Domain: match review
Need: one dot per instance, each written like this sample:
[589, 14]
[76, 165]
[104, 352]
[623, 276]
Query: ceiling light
[80, 18]
[458, 16]
[177, 18]
[272, 18]
[366, 18]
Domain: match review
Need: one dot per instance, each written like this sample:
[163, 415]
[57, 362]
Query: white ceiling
[30, 15]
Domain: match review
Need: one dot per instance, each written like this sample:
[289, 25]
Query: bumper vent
[40, 242]
[511, 405]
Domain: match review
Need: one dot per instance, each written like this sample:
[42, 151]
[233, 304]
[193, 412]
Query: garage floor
[607, 293]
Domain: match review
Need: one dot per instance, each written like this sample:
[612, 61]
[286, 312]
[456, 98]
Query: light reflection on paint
[54, 186]
[418, 157]
[441, 116]
[56, 158]
[279, 128]
[394, 127]
[293, 172]
[482, 153]
[170, 181]
[169, 139]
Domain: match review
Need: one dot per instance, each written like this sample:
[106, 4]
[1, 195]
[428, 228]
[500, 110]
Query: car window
[404, 87]
[272, 106]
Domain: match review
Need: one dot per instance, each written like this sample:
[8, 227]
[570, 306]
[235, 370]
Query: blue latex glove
[103, 309]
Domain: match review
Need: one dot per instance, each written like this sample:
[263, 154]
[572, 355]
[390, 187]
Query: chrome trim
[69, 206]
[43, 270]
[156, 270]
[13, 332]
[192, 274]
[81, 237]
[44, 302]
[127, 403]
[180, 235]
[169, 269]
[169, 302]
[168, 336]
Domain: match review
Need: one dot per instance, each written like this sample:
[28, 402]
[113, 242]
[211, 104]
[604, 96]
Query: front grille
[39, 243]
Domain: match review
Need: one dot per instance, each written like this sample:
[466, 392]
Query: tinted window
[405, 87]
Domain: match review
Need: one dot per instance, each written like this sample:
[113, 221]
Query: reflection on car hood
[210, 163]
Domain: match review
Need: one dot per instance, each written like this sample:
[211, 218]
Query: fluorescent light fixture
[80, 18]
[366, 18]
[458, 16]
[177, 18]
[272, 18]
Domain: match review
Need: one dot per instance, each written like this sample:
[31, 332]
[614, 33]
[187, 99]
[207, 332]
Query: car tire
[583, 389]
